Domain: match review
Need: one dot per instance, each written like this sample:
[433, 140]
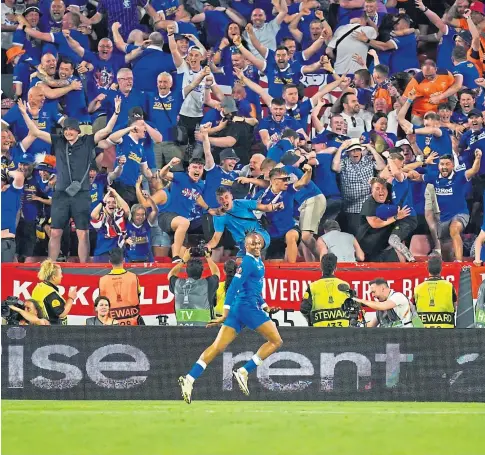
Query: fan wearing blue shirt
[13, 152]
[51, 20]
[445, 48]
[57, 43]
[130, 97]
[272, 126]
[289, 141]
[185, 193]
[309, 202]
[163, 112]
[216, 19]
[404, 48]
[130, 144]
[217, 175]
[105, 64]
[431, 137]
[32, 46]
[284, 232]
[462, 66]
[151, 61]
[474, 138]
[466, 100]
[278, 67]
[74, 103]
[48, 65]
[138, 244]
[12, 188]
[402, 196]
[167, 7]
[29, 210]
[450, 187]
[46, 117]
[295, 109]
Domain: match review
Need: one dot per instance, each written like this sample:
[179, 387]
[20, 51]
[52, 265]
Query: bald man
[101, 67]
[264, 31]
[57, 42]
[243, 190]
[46, 116]
[52, 22]
[45, 79]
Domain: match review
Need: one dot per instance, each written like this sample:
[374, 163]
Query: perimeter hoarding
[105, 363]
[284, 285]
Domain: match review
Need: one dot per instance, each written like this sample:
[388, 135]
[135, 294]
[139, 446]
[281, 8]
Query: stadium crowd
[353, 127]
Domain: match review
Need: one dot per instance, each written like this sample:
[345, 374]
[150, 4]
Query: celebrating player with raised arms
[244, 306]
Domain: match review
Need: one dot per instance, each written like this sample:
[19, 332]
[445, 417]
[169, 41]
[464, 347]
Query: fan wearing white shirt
[345, 45]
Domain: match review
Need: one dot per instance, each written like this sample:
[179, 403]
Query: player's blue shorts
[242, 247]
[246, 315]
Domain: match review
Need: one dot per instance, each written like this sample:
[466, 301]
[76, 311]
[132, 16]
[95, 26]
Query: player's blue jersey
[247, 285]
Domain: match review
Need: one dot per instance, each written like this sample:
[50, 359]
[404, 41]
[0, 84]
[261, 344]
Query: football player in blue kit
[243, 306]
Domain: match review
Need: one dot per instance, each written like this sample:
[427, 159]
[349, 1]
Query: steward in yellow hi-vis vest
[322, 301]
[122, 289]
[435, 299]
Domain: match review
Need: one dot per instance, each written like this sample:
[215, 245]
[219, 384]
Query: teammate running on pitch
[243, 306]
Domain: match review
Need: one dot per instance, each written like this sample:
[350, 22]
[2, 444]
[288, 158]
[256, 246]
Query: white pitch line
[253, 411]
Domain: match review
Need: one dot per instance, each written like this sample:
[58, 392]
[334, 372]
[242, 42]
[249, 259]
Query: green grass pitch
[233, 428]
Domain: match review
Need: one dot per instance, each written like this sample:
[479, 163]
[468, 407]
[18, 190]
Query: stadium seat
[7, 86]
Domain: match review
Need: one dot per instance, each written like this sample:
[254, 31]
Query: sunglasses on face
[284, 179]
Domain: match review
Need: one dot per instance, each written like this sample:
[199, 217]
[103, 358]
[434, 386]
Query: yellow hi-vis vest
[327, 301]
[434, 303]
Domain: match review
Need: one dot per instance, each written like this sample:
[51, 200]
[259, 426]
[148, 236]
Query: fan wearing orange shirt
[433, 86]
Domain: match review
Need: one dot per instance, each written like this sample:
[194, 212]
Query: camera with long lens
[12, 317]
[199, 250]
[352, 308]
[229, 117]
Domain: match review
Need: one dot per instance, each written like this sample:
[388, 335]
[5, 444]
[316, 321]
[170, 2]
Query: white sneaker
[186, 387]
[242, 379]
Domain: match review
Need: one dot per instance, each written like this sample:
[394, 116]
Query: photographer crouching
[393, 308]
[195, 297]
[16, 312]
[323, 299]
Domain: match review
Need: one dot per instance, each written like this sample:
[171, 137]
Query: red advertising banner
[284, 284]
[477, 275]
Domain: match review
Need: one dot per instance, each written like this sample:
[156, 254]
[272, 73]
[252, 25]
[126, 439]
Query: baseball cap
[474, 113]
[71, 123]
[228, 154]
[195, 48]
[13, 52]
[228, 104]
[26, 158]
[214, 3]
[31, 9]
[465, 35]
[136, 112]
[479, 7]
[46, 167]
[402, 142]
[179, 36]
